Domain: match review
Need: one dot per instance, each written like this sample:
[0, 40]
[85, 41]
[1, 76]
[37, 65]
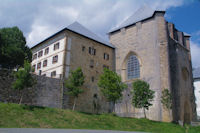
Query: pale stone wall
[58, 67]
[147, 41]
[79, 58]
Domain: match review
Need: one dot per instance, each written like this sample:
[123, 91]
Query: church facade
[145, 47]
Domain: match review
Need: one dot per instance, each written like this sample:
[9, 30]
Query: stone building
[70, 48]
[145, 47]
[152, 49]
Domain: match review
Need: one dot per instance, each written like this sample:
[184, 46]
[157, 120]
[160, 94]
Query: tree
[24, 78]
[111, 86]
[166, 99]
[74, 83]
[142, 95]
[13, 49]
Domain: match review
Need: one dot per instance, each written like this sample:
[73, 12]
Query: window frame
[133, 67]
[53, 59]
[56, 44]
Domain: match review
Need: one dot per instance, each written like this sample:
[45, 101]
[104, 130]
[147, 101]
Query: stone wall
[46, 92]
[148, 41]
[184, 108]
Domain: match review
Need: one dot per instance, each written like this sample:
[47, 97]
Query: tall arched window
[133, 67]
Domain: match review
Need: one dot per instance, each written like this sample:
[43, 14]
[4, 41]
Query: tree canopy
[166, 99]
[13, 49]
[24, 78]
[111, 85]
[74, 83]
[142, 95]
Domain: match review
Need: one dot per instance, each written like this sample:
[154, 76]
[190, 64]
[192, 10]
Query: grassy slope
[14, 115]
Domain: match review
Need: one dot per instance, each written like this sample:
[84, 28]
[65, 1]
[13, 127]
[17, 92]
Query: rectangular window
[106, 56]
[40, 53]
[40, 72]
[53, 74]
[56, 46]
[44, 63]
[92, 51]
[91, 63]
[46, 51]
[39, 65]
[55, 59]
[83, 48]
[92, 79]
[34, 66]
[35, 56]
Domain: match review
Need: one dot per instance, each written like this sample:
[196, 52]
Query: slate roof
[186, 34]
[142, 13]
[80, 29]
[196, 73]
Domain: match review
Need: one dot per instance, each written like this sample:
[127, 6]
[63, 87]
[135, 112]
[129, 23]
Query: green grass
[16, 116]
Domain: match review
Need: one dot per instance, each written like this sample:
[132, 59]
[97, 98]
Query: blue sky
[39, 19]
[186, 18]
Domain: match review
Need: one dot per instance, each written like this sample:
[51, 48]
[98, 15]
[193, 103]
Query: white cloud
[195, 52]
[197, 95]
[40, 18]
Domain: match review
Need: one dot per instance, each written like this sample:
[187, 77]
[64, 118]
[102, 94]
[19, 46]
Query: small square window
[55, 59]
[92, 51]
[106, 56]
[53, 74]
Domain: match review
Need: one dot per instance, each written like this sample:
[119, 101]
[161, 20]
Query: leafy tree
[111, 86]
[142, 95]
[24, 78]
[74, 83]
[166, 99]
[13, 49]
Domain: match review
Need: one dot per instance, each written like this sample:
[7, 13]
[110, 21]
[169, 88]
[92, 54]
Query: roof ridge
[140, 14]
[80, 29]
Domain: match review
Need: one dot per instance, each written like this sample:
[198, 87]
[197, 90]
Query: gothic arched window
[133, 67]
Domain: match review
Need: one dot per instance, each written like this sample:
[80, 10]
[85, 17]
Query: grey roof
[186, 34]
[196, 73]
[80, 29]
[141, 14]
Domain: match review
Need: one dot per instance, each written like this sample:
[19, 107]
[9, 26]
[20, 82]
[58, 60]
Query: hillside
[20, 116]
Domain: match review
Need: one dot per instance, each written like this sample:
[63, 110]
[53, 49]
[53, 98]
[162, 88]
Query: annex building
[145, 46]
